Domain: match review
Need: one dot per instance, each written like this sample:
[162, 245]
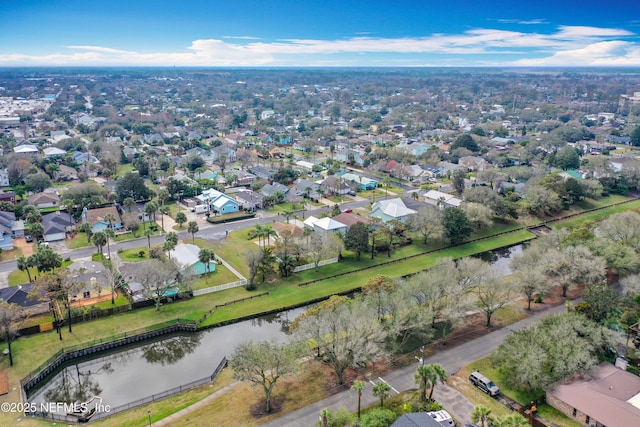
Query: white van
[443, 418]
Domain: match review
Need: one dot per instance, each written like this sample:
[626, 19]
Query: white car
[443, 418]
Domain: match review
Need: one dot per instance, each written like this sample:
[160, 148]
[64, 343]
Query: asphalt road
[452, 359]
[209, 231]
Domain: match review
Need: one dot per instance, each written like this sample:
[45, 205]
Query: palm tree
[287, 214]
[358, 386]
[170, 242]
[381, 390]
[436, 373]
[268, 233]
[23, 264]
[151, 208]
[99, 239]
[206, 256]
[148, 233]
[192, 228]
[129, 203]
[181, 218]
[109, 234]
[421, 378]
[257, 233]
[512, 420]
[481, 414]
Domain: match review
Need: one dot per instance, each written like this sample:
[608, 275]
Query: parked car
[484, 384]
[348, 210]
[443, 418]
[28, 239]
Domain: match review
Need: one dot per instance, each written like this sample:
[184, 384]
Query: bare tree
[263, 364]
[11, 316]
[347, 334]
[322, 246]
[157, 278]
[428, 223]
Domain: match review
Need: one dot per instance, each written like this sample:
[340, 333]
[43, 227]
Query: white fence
[241, 282]
[312, 265]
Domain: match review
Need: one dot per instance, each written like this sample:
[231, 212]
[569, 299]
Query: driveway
[25, 247]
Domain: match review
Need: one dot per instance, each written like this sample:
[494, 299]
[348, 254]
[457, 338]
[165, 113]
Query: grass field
[28, 351]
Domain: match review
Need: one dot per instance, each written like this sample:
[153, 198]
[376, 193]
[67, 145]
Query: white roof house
[391, 209]
[328, 224]
[438, 198]
[26, 149]
[53, 151]
[187, 254]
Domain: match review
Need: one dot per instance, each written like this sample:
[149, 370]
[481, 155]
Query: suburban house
[325, 225]
[7, 222]
[309, 189]
[57, 225]
[219, 202]
[472, 163]
[262, 172]
[92, 281]
[387, 210]
[96, 218]
[26, 148]
[271, 189]
[349, 219]
[441, 200]
[249, 199]
[51, 152]
[359, 181]
[186, 255]
[20, 295]
[610, 397]
[44, 200]
[416, 419]
[66, 173]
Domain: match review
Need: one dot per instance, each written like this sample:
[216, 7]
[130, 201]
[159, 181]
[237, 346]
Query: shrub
[538, 300]
[378, 418]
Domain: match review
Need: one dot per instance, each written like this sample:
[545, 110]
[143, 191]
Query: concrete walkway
[452, 359]
[172, 419]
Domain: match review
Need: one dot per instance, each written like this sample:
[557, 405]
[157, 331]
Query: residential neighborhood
[395, 218]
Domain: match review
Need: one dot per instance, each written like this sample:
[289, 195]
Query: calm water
[501, 258]
[154, 366]
[134, 372]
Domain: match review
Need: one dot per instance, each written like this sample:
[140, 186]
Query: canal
[140, 370]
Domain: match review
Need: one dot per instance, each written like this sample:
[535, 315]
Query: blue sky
[319, 33]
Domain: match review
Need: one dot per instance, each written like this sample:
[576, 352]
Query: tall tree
[170, 242]
[181, 218]
[427, 222]
[192, 227]
[263, 364]
[205, 256]
[381, 390]
[358, 387]
[457, 227]
[157, 278]
[23, 265]
[10, 317]
[357, 238]
[346, 334]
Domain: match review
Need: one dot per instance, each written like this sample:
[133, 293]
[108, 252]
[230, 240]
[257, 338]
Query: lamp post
[149, 416]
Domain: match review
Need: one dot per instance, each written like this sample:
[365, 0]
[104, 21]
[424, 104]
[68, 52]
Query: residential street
[452, 359]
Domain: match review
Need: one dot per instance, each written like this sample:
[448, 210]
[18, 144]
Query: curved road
[452, 359]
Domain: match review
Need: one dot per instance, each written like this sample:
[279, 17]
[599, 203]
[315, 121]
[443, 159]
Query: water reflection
[150, 367]
[170, 351]
[501, 258]
[76, 385]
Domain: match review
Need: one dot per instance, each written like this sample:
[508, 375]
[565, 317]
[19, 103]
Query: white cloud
[608, 53]
[570, 45]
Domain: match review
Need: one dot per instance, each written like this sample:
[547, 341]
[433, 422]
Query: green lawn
[79, 241]
[18, 277]
[221, 276]
[131, 255]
